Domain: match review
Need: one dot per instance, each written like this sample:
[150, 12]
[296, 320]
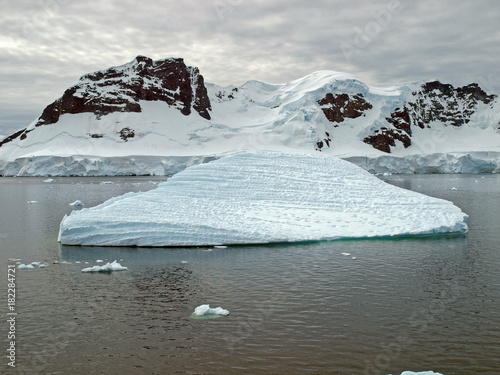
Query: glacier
[260, 198]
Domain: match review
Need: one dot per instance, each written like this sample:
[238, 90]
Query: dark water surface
[412, 304]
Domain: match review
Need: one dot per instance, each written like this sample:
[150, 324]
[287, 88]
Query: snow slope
[256, 198]
[329, 112]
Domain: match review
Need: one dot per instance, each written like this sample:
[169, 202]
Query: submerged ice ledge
[258, 198]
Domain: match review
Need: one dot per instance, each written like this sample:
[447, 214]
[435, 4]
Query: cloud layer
[47, 45]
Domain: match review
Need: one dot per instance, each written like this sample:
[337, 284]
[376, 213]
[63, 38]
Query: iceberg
[108, 267]
[260, 198]
[207, 311]
[25, 266]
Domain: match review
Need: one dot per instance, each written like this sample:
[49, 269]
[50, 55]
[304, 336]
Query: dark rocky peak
[119, 89]
[338, 107]
[436, 101]
[470, 92]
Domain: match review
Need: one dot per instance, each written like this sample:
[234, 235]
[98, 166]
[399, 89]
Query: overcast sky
[46, 45]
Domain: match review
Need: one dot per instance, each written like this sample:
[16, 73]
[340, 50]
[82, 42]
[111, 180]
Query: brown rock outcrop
[341, 106]
[119, 89]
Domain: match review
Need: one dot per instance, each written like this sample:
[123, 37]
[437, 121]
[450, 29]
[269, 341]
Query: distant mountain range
[156, 117]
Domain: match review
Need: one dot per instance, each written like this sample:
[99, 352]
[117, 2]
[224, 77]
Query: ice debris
[31, 265]
[77, 203]
[206, 310]
[25, 266]
[108, 267]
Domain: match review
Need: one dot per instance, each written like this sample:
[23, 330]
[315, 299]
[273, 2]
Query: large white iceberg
[256, 198]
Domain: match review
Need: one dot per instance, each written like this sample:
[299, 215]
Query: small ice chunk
[49, 180]
[207, 310]
[184, 261]
[420, 373]
[454, 189]
[14, 260]
[32, 202]
[36, 263]
[354, 258]
[108, 267]
[106, 182]
[346, 254]
[25, 266]
[99, 261]
[42, 265]
[220, 247]
[77, 203]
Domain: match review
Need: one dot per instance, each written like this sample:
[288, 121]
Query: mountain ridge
[165, 108]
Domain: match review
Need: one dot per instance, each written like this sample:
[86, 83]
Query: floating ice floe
[257, 198]
[77, 203]
[25, 266]
[207, 312]
[49, 180]
[420, 373]
[108, 267]
[32, 202]
[31, 265]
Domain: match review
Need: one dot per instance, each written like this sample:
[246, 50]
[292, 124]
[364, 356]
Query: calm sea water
[426, 304]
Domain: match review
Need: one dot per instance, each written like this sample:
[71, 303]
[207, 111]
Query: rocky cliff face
[432, 102]
[341, 106]
[120, 89]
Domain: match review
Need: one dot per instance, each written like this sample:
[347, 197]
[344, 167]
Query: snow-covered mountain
[156, 117]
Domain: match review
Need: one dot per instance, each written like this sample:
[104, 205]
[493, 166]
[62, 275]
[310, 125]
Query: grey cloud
[46, 46]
